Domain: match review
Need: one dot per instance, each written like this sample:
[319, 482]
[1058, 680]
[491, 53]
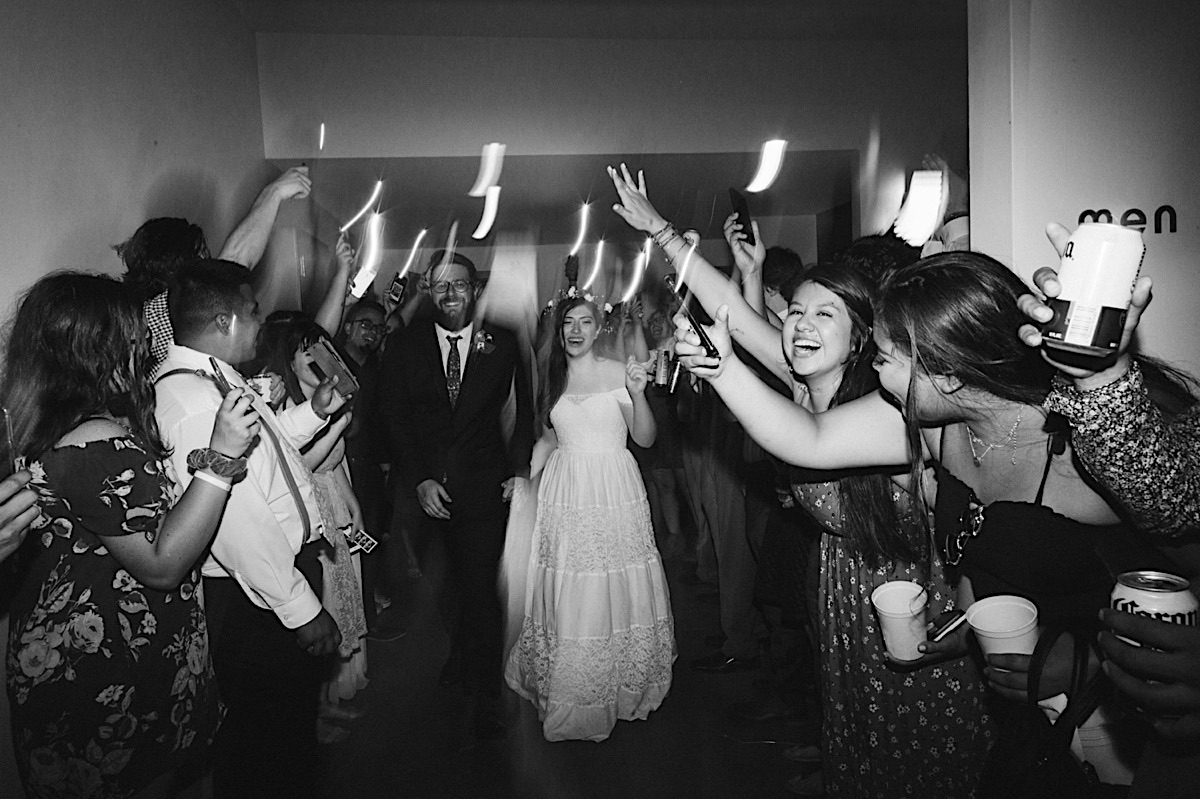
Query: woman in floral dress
[108, 666]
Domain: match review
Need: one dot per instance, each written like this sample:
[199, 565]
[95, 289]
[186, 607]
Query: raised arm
[333, 307]
[749, 261]
[758, 336]
[867, 432]
[248, 240]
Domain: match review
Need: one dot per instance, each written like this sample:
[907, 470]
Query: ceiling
[544, 193]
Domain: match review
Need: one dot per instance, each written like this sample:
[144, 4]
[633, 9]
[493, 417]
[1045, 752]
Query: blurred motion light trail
[768, 165]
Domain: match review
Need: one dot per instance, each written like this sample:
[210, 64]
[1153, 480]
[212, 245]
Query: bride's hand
[634, 207]
[636, 375]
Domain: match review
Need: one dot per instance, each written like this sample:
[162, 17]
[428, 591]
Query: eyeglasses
[442, 286]
[368, 325]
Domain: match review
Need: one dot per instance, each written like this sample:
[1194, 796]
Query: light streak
[921, 212]
[490, 205]
[321, 138]
[583, 221]
[371, 257]
[639, 269]
[768, 165]
[687, 259]
[374, 196]
[596, 265]
[490, 164]
[412, 255]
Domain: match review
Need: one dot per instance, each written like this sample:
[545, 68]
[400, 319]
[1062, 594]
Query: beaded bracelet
[667, 227]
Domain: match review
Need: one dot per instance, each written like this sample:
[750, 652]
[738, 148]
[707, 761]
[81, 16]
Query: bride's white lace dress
[597, 640]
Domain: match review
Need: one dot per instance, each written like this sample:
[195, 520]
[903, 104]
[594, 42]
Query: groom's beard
[458, 315]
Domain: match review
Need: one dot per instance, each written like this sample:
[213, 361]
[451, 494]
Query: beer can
[1098, 269]
[1155, 595]
[662, 368]
[261, 385]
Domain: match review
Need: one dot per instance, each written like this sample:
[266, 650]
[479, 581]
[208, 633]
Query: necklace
[1009, 441]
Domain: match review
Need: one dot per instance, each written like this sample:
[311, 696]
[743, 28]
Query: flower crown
[571, 293]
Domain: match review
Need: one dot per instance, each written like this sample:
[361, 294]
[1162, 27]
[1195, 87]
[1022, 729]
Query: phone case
[327, 363]
[742, 208]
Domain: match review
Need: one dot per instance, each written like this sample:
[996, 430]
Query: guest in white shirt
[269, 664]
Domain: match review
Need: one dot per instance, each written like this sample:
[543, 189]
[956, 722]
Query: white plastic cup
[1004, 625]
[900, 607]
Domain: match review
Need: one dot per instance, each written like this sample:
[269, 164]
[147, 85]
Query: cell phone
[396, 288]
[327, 363]
[693, 311]
[222, 384]
[742, 209]
[948, 625]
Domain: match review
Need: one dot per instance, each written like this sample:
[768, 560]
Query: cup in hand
[900, 607]
[1004, 625]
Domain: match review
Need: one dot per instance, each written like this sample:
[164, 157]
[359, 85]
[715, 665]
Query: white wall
[114, 112]
[1089, 104]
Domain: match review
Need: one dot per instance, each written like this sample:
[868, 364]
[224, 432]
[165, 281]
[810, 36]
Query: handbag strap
[1083, 695]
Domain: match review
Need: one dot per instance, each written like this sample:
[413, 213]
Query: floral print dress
[888, 732]
[111, 682]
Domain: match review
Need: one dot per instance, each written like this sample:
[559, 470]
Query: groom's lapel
[432, 353]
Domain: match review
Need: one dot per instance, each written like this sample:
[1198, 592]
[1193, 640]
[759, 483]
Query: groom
[444, 386]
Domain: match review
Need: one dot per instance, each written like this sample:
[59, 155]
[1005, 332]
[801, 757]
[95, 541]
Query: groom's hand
[433, 498]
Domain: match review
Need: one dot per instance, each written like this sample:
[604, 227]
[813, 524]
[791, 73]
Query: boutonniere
[482, 342]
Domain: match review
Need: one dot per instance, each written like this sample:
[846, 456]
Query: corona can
[1155, 595]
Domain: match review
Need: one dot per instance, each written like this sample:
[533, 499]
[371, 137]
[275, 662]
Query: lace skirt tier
[597, 640]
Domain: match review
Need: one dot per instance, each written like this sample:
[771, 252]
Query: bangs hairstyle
[79, 347]
[956, 315]
[552, 357]
[875, 530]
[279, 338]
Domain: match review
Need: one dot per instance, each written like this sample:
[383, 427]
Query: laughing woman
[597, 640]
[108, 668]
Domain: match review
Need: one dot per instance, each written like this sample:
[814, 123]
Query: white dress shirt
[261, 530]
[464, 346]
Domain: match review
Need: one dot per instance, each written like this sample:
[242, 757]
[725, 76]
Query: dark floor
[414, 739]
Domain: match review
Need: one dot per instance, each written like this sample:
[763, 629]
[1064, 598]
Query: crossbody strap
[288, 477]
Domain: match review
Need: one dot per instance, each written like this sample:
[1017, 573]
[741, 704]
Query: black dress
[1066, 567]
[111, 682]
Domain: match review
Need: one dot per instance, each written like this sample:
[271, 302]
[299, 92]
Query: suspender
[288, 477]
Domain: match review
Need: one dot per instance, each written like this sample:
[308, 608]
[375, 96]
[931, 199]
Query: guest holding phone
[109, 672]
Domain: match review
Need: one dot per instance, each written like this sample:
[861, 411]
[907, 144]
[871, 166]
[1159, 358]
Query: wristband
[208, 478]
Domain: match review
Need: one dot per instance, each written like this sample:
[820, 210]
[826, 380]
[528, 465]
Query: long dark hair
[869, 516]
[279, 337]
[78, 348]
[552, 358]
[956, 315]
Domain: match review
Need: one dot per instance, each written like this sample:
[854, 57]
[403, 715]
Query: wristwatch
[222, 465]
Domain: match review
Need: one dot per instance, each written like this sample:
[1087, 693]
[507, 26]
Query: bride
[596, 642]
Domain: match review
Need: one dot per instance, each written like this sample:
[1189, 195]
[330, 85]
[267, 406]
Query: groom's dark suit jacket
[462, 446]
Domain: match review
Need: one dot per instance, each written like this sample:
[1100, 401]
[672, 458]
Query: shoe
[720, 663]
[330, 734]
[807, 784]
[488, 723]
[340, 713]
[803, 753]
[451, 672]
[756, 710]
[384, 633]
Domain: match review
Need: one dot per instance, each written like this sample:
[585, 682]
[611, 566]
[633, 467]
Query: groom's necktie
[453, 370]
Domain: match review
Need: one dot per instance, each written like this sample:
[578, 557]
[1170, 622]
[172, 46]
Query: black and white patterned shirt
[159, 322]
